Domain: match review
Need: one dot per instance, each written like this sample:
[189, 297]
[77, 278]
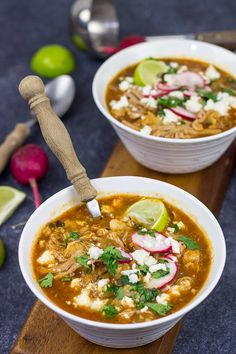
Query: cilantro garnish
[207, 94]
[143, 269]
[124, 280]
[176, 227]
[229, 91]
[160, 273]
[146, 295]
[160, 309]
[110, 258]
[73, 235]
[47, 281]
[109, 311]
[118, 291]
[170, 102]
[83, 260]
[144, 231]
[65, 279]
[189, 243]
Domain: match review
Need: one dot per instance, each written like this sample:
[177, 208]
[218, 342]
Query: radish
[166, 279]
[183, 113]
[28, 164]
[157, 94]
[130, 40]
[167, 87]
[157, 244]
[127, 256]
[188, 79]
[189, 93]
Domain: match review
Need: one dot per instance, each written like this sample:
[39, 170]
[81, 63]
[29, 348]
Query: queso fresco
[142, 260]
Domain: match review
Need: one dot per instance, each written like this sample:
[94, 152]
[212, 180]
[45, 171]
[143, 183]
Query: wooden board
[45, 333]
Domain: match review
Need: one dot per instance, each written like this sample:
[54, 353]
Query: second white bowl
[164, 154]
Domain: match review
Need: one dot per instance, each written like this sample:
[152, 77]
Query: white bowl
[164, 154]
[124, 335]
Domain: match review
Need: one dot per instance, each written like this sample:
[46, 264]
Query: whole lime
[53, 60]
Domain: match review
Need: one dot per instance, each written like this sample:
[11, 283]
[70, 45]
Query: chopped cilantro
[176, 227]
[124, 280]
[120, 293]
[207, 94]
[146, 295]
[162, 261]
[109, 311]
[47, 281]
[110, 258]
[170, 102]
[144, 231]
[229, 91]
[189, 243]
[182, 122]
[66, 279]
[160, 273]
[143, 269]
[160, 309]
[83, 260]
[171, 70]
[73, 235]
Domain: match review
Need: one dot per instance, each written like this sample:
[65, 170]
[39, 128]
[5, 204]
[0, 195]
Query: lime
[53, 60]
[150, 213]
[2, 253]
[147, 72]
[10, 198]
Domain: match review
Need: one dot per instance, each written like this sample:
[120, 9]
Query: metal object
[95, 22]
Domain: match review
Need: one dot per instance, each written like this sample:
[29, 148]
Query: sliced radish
[157, 244]
[189, 79]
[183, 113]
[167, 87]
[127, 256]
[189, 93]
[163, 281]
[171, 257]
[157, 94]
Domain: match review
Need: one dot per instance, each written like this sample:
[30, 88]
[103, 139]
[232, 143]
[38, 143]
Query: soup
[142, 260]
[173, 98]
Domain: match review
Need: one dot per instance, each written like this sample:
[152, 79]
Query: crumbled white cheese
[170, 117]
[144, 309]
[129, 271]
[140, 256]
[162, 298]
[177, 94]
[156, 267]
[193, 104]
[133, 278]
[124, 85]
[180, 225]
[97, 304]
[121, 103]
[171, 229]
[46, 258]
[102, 283]
[149, 101]
[146, 130]
[149, 261]
[147, 277]
[75, 283]
[82, 300]
[169, 78]
[146, 90]
[130, 79]
[174, 244]
[223, 104]
[211, 73]
[182, 69]
[127, 302]
[95, 252]
[174, 65]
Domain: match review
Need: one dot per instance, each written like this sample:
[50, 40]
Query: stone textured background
[27, 25]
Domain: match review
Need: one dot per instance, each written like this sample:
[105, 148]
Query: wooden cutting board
[45, 333]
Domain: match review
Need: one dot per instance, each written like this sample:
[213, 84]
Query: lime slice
[10, 198]
[53, 60]
[150, 213]
[147, 72]
[2, 253]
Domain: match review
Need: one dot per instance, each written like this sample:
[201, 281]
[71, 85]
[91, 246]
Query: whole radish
[28, 164]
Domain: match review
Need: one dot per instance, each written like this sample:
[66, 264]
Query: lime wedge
[150, 213]
[2, 253]
[10, 198]
[147, 72]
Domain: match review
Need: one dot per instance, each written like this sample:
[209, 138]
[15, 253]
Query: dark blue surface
[27, 25]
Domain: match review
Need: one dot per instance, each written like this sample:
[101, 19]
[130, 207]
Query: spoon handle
[56, 136]
[12, 141]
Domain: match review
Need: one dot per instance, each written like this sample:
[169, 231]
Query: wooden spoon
[58, 139]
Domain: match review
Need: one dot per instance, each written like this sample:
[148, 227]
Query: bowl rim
[142, 46]
[169, 318]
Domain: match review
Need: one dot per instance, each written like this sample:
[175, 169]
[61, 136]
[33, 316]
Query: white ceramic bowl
[164, 154]
[124, 335]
